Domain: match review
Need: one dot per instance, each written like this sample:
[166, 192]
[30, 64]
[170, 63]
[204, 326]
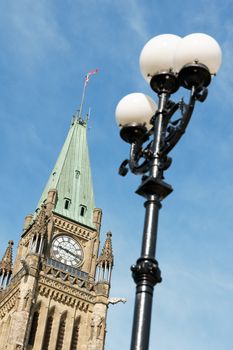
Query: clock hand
[68, 251]
[65, 250]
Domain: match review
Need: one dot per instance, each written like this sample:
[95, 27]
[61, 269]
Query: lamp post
[167, 63]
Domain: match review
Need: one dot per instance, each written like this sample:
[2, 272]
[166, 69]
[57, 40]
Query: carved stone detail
[63, 293]
[116, 300]
[97, 327]
[9, 303]
[26, 239]
[17, 277]
[41, 222]
[107, 254]
[72, 281]
[18, 347]
[77, 230]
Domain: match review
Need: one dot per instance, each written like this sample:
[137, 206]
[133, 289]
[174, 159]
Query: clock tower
[56, 294]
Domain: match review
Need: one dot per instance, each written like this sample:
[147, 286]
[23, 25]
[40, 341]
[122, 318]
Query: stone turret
[106, 261]
[6, 266]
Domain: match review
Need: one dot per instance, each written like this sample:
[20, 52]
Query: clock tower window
[67, 203]
[75, 334]
[33, 328]
[83, 210]
[61, 332]
[48, 328]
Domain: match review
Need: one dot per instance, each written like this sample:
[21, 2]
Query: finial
[6, 262]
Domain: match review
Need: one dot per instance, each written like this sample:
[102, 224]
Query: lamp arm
[171, 108]
[177, 132]
[136, 154]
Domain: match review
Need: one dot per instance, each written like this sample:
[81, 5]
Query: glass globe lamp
[157, 62]
[197, 57]
[133, 115]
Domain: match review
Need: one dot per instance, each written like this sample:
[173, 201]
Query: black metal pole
[146, 272]
[151, 160]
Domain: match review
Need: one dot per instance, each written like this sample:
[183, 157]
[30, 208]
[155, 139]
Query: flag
[94, 71]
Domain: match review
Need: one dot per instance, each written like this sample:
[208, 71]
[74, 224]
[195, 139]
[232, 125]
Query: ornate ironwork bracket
[141, 152]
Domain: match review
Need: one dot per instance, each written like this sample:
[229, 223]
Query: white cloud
[135, 16]
[209, 19]
[31, 32]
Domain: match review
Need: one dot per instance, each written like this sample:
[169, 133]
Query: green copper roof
[71, 177]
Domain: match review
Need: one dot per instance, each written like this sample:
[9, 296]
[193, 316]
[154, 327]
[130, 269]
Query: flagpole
[87, 77]
[82, 100]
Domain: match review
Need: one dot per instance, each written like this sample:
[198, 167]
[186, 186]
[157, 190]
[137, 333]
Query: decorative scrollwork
[141, 152]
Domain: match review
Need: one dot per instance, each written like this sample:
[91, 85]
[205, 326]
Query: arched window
[34, 243]
[61, 332]
[83, 210]
[33, 330]
[67, 203]
[74, 341]
[48, 330]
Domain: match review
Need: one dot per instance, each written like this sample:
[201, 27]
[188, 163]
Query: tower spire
[71, 178]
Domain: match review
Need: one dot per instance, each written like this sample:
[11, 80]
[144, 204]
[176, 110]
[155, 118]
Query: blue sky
[47, 47]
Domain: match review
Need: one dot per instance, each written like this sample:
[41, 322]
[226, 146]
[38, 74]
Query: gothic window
[48, 330]
[61, 332]
[33, 330]
[35, 243]
[38, 245]
[83, 210]
[74, 341]
[67, 203]
[33, 246]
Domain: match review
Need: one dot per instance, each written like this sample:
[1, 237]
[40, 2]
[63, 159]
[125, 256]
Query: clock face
[67, 250]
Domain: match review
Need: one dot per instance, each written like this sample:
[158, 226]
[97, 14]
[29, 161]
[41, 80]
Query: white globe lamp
[197, 57]
[157, 60]
[134, 112]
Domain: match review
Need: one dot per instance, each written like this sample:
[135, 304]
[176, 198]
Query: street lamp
[167, 62]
